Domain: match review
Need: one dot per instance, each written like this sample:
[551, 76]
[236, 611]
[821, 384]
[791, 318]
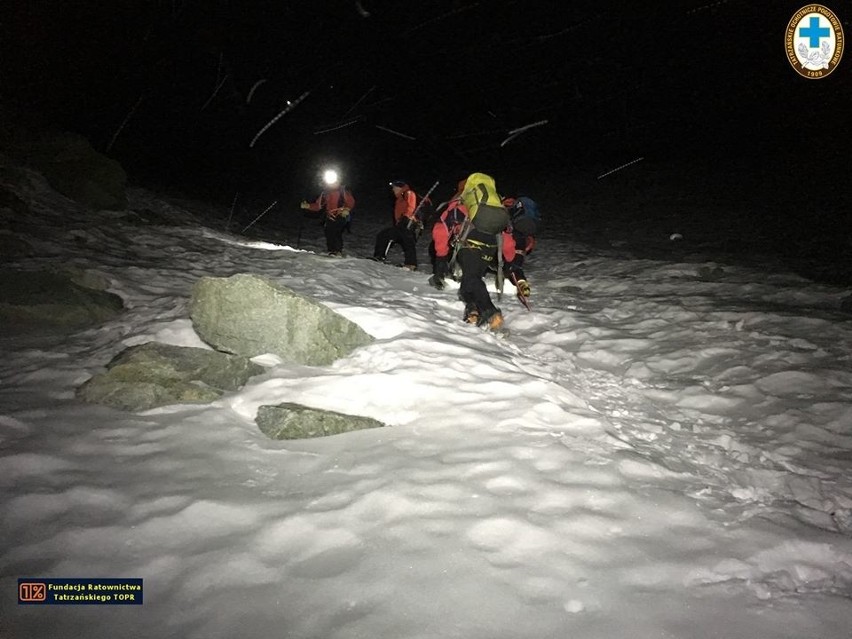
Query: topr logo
[814, 41]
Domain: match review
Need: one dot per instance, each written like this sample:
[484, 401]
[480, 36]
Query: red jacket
[448, 226]
[405, 204]
[330, 201]
[509, 247]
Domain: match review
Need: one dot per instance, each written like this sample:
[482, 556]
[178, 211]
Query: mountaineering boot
[496, 321]
[471, 314]
[493, 320]
[437, 282]
[409, 267]
[523, 288]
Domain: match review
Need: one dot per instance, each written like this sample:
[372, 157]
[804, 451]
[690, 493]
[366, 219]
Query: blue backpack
[526, 217]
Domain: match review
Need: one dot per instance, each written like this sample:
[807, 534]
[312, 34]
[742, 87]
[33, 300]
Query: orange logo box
[32, 591]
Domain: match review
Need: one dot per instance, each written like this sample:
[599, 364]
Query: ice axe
[413, 218]
[523, 300]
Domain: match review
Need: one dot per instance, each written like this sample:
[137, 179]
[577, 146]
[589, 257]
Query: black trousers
[475, 263]
[403, 236]
[516, 267]
[334, 233]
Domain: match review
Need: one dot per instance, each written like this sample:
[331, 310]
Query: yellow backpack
[484, 205]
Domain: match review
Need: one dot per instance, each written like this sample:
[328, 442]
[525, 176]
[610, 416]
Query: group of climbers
[478, 232]
[482, 232]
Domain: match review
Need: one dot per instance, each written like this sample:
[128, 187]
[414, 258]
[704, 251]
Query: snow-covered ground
[657, 450]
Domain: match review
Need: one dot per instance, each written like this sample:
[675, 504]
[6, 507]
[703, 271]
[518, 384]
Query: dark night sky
[615, 81]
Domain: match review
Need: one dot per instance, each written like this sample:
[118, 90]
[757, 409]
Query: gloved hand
[342, 212]
[442, 268]
[305, 204]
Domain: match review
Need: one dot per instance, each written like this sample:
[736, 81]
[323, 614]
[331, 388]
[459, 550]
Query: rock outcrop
[250, 315]
[295, 421]
[37, 301]
[153, 374]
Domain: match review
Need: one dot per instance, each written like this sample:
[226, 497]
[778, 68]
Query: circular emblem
[814, 41]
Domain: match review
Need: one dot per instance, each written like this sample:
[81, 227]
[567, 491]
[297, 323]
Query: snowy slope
[653, 452]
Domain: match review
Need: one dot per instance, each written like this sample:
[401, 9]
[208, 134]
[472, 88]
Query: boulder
[250, 315]
[295, 421]
[75, 169]
[35, 301]
[153, 374]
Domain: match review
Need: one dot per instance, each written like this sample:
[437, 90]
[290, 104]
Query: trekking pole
[500, 278]
[299, 234]
[259, 216]
[233, 204]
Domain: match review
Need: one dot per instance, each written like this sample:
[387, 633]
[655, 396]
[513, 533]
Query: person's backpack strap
[460, 240]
